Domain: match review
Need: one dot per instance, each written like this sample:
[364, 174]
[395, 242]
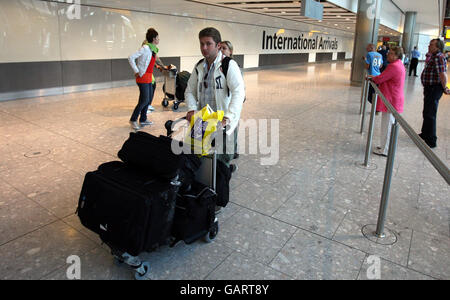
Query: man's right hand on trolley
[189, 115]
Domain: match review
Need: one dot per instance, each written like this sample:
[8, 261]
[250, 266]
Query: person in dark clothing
[383, 53]
[434, 81]
[415, 55]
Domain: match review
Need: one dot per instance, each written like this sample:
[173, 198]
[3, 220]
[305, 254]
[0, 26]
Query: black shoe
[430, 144]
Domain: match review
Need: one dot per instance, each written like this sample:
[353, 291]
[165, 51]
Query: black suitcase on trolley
[195, 215]
[130, 210]
[152, 154]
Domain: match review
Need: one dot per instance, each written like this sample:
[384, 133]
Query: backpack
[224, 67]
[225, 64]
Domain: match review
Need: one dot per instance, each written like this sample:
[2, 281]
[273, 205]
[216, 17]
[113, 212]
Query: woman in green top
[158, 64]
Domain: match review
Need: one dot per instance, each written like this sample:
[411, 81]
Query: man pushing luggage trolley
[222, 91]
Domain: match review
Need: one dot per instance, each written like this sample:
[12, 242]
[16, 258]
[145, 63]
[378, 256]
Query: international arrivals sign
[279, 41]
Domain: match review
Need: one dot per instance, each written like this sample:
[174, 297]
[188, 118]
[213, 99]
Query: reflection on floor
[301, 218]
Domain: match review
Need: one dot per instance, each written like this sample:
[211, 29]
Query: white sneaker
[146, 123]
[151, 108]
[135, 125]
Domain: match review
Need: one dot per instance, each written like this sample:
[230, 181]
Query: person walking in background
[374, 61]
[415, 55]
[158, 64]
[383, 53]
[434, 81]
[391, 83]
[143, 71]
[227, 48]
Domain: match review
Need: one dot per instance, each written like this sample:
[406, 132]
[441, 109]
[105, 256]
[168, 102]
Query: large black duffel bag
[131, 211]
[152, 154]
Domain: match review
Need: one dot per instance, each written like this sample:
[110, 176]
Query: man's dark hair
[440, 44]
[211, 32]
[151, 34]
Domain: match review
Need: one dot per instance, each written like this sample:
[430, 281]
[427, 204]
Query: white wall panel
[28, 31]
[65, 31]
[101, 33]
[251, 61]
[188, 63]
[391, 16]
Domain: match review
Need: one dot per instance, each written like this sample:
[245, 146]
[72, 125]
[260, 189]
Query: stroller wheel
[175, 105]
[165, 103]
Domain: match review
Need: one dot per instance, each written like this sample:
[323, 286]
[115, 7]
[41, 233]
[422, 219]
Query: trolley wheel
[118, 261]
[143, 272]
[213, 231]
[175, 105]
[165, 103]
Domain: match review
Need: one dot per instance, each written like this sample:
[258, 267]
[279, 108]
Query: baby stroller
[174, 86]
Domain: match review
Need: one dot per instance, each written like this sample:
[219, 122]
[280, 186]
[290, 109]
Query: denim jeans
[145, 94]
[153, 93]
[432, 94]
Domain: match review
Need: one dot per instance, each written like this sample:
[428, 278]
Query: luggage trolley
[170, 87]
[206, 175]
[193, 211]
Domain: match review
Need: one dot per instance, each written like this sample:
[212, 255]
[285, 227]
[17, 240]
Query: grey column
[366, 32]
[408, 31]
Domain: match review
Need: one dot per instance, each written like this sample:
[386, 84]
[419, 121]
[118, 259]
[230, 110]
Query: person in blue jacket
[374, 62]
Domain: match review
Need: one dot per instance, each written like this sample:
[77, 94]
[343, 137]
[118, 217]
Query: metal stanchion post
[370, 134]
[363, 93]
[363, 119]
[387, 181]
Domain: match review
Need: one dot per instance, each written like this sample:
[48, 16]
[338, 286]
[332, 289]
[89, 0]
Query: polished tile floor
[302, 218]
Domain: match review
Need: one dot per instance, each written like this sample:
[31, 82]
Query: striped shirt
[436, 65]
[207, 89]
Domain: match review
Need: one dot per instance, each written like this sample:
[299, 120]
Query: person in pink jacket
[391, 83]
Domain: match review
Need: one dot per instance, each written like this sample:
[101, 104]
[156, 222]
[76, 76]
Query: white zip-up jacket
[144, 57]
[229, 91]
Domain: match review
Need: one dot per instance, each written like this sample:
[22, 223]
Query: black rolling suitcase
[195, 215]
[130, 210]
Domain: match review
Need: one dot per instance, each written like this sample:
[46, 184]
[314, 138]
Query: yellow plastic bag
[203, 130]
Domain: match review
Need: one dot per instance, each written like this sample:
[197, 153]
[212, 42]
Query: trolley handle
[171, 123]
